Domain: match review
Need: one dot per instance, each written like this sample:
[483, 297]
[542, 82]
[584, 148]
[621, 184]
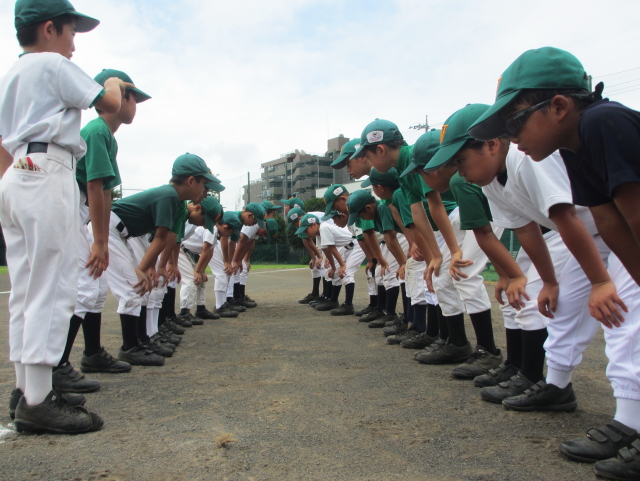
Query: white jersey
[251, 231]
[41, 98]
[532, 188]
[195, 236]
[332, 235]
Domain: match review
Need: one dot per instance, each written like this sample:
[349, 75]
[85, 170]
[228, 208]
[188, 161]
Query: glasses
[514, 122]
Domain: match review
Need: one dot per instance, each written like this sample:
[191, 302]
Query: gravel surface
[305, 395]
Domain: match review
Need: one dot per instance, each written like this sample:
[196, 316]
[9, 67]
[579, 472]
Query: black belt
[382, 242]
[121, 227]
[350, 246]
[37, 148]
[544, 229]
[195, 257]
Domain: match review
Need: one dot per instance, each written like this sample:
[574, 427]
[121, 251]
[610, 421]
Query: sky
[240, 83]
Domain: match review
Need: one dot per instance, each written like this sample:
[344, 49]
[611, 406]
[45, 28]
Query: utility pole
[248, 187]
[424, 126]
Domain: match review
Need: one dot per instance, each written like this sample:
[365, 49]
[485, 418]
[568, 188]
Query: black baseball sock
[419, 317]
[236, 290]
[409, 315]
[484, 330]
[348, 293]
[243, 289]
[162, 316]
[373, 301]
[230, 299]
[442, 324]
[169, 303]
[91, 326]
[184, 312]
[533, 354]
[326, 289]
[433, 327]
[74, 326]
[316, 286]
[382, 299]
[129, 325]
[392, 300]
[514, 347]
[457, 334]
[142, 325]
[335, 293]
[405, 299]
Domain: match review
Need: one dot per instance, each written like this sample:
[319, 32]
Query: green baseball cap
[293, 215]
[346, 152]
[107, 73]
[543, 68]
[28, 12]
[454, 135]
[306, 221]
[377, 132]
[331, 194]
[269, 205]
[190, 164]
[390, 179]
[212, 211]
[330, 215]
[258, 212]
[423, 150]
[294, 202]
[231, 219]
[272, 229]
[357, 201]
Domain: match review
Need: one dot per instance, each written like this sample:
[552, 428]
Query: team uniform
[190, 250]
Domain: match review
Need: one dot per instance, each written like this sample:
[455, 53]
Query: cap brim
[260, 223]
[215, 186]
[209, 223]
[412, 168]
[286, 202]
[444, 155]
[328, 216]
[353, 217]
[359, 152]
[85, 23]
[210, 177]
[328, 208]
[490, 125]
[366, 182]
[140, 95]
[301, 230]
[341, 161]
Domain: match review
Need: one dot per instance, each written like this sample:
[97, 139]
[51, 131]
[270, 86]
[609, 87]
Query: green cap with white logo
[358, 201]
[212, 212]
[377, 132]
[294, 202]
[272, 229]
[231, 219]
[294, 215]
[269, 205]
[346, 152]
[306, 221]
[28, 12]
[331, 194]
[540, 69]
[390, 179]
[108, 73]
[454, 135]
[192, 165]
[426, 146]
[258, 212]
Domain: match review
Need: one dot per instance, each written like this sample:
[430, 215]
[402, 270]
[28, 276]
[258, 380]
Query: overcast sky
[241, 82]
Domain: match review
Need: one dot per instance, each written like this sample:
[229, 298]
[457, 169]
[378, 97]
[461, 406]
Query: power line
[616, 73]
[627, 91]
[622, 88]
[632, 80]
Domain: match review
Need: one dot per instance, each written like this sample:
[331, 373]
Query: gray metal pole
[248, 187]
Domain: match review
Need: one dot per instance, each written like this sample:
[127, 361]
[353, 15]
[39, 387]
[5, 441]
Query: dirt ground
[307, 396]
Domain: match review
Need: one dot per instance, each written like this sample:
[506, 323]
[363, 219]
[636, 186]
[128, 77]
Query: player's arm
[99, 257]
[247, 256]
[426, 242]
[604, 299]
[338, 258]
[167, 256]
[224, 248]
[394, 247]
[111, 101]
[5, 159]
[240, 250]
[531, 240]
[199, 271]
[376, 253]
[148, 262]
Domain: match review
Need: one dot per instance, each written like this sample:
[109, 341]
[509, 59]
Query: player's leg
[353, 263]
[391, 289]
[243, 299]
[221, 283]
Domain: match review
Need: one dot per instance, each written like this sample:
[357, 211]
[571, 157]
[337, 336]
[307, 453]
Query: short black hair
[581, 97]
[394, 144]
[179, 179]
[28, 35]
[127, 94]
[474, 144]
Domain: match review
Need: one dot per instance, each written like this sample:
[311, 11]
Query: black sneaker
[157, 348]
[103, 362]
[225, 311]
[309, 298]
[170, 336]
[55, 415]
[247, 302]
[67, 379]
[365, 311]
[343, 310]
[139, 356]
[399, 319]
[480, 362]
[398, 338]
[158, 339]
[372, 316]
[625, 466]
[515, 386]
[206, 314]
[397, 328]
[448, 354]
[190, 319]
[437, 344]
[600, 443]
[236, 307]
[319, 300]
[543, 397]
[419, 341]
[327, 306]
[382, 321]
[502, 373]
[183, 321]
[71, 399]
[170, 324]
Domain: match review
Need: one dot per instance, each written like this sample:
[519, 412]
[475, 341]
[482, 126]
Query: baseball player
[543, 104]
[96, 173]
[41, 98]
[220, 264]
[315, 264]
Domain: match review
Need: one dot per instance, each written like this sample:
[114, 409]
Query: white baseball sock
[38, 383]
[558, 378]
[152, 320]
[221, 298]
[21, 377]
[628, 412]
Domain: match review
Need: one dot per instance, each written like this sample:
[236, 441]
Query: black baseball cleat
[139, 356]
[372, 316]
[206, 314]
[158, 339]
[170, 324]
[382, 321]
[55, 415]
[309, 298]
[398, 338]
[103, 362]
[600, 443]
[247, 302]
[502, 373]
[169, 336]
[319, 300]
[71, 399]
[365, 311]
[447, 354]
[182, 321]
[225, 311]
[236, 307]
[157, 348]
[435, 346]
[419, 341]
[543, 397]
[398, 327]
[624, 467]
[327, 306]
[343, 310]
[190, 319]
[515, 386]
[67, 379]
[480, 362]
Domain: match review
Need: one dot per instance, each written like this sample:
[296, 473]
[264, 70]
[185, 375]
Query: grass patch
[490, 274]
[4, 270]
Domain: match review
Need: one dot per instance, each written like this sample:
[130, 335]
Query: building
[297, 174]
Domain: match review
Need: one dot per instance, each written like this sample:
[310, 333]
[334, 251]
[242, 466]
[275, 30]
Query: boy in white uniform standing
[40, 135]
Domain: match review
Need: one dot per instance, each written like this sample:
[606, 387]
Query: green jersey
[474, 205]
[99, 162]
[141, 213]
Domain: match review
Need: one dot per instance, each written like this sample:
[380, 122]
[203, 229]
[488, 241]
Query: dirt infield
[306, 396]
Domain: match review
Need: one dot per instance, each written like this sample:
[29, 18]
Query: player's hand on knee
[428, 278]
[605, 304]
[98, 261]
[144, 283]
[401, 272]
[342, 272]
[501, 287]
[153, 277]
[516, 291]
[548, 299]
[312, 264]
[457, 262]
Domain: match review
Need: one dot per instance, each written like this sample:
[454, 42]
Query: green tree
[315, 204]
